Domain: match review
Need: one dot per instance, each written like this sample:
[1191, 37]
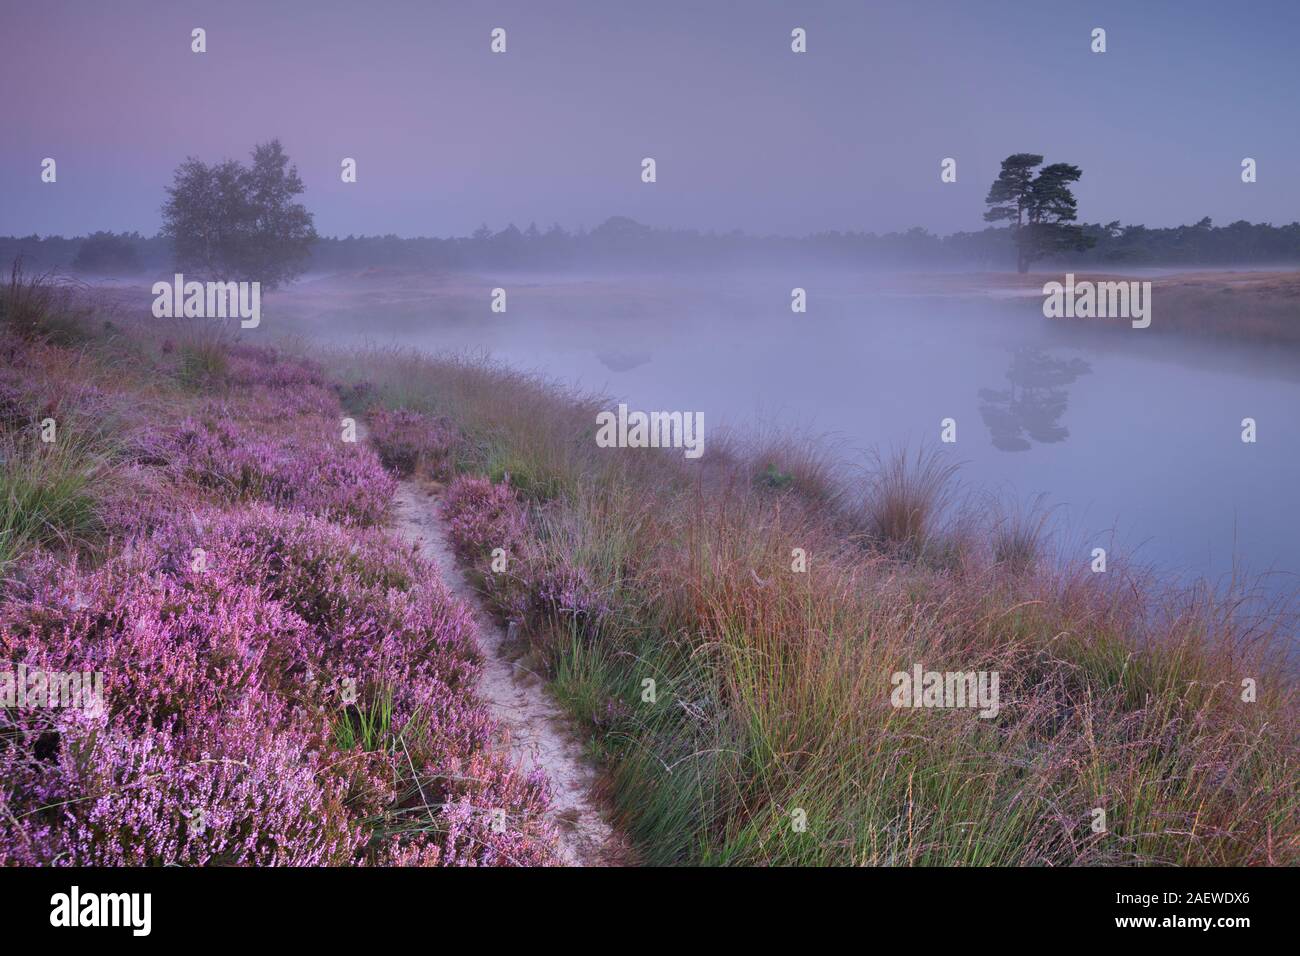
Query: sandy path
[533, 728]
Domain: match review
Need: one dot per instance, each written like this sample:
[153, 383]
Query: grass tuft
[740, 702]
[906, 497]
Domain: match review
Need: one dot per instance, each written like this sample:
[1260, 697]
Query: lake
[1126, 431]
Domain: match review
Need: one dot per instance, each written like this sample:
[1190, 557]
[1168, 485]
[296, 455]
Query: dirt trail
[533, 728]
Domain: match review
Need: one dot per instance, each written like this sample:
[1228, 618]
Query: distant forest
[625, 245]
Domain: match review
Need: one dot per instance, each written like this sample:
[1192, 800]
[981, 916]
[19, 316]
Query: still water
[1133, 437]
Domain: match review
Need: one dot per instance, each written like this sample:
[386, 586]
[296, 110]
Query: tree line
[230, 220]
[623, 243]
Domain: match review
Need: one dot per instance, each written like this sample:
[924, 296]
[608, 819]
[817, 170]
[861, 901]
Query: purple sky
[746, 133]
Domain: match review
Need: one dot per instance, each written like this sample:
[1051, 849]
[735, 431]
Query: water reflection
[619, 361]
[1031, 409]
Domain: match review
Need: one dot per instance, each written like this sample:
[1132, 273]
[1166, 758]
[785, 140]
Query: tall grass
[800, 464]
[50, 491]
[906, 496]
[40, 307]
[1018, 534]
[515, 423]
[203, 348]
[48, 494]
[203, 363]
[770, 736]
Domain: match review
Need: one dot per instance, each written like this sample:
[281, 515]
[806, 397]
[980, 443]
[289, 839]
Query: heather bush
[249, 365]
[552, 573]
[407, 440]
[482, 515]
[569, 593]
[284, 684]
[474, 838]
[203, 679]
[272, 385]
[570, 569]
[226, 680]
[85, 790]
[143, 498]
[312, 470]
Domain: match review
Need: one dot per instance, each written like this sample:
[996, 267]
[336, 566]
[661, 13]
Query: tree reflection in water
[1030, 411]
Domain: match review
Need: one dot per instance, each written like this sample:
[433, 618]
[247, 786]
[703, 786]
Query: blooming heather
[482, 516]
[539, 581]
[225, 685]
[407, 440]
[319, 473]
[284, 683]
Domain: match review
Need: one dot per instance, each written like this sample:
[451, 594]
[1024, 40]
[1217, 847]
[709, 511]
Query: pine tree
[1039, 207]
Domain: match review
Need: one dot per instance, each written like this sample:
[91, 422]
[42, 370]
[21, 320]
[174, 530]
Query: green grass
[772, 477]
[38, 307]
[368, 727]
[203, 363]
[772, 739]
[48, 494]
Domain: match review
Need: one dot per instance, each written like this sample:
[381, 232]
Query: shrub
[226, 681]
[321, 475]
[38, 308]
[269, 368]
[481, 516]
[905, 497]
[408, 440]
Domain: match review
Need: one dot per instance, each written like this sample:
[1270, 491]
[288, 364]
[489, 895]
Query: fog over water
[1126, 430]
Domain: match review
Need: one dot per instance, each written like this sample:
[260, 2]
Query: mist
[746, 433]
[747, 135]
[1131, 441]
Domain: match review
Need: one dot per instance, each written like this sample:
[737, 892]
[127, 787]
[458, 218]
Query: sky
[746, 134]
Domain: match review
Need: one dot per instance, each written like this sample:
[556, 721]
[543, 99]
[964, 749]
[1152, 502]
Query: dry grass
[906, 497]
[1251, 307]
[773, 685]
[44, 307]
[1018, 534]
[800, 464]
